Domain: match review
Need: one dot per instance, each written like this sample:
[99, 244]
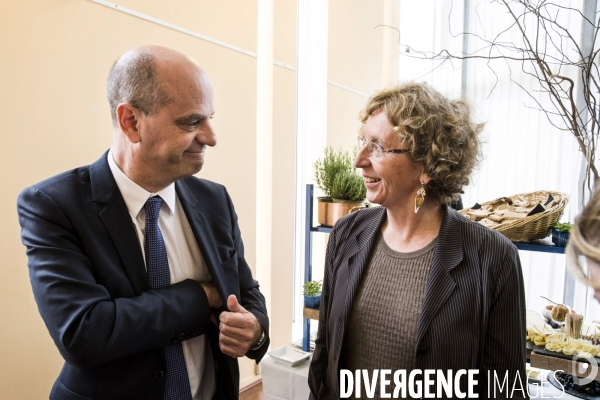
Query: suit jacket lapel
[440, 284]
[117, 221]
[203, 234]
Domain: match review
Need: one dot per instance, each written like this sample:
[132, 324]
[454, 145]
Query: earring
[420, 197]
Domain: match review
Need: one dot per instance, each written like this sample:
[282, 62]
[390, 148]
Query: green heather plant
[336, 176]
[348, 186]
[312, 288]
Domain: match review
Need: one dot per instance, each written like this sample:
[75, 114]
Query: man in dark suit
[138, 267]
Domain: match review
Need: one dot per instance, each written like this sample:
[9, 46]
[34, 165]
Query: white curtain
[522, 151]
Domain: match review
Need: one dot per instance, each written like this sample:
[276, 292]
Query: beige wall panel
[284, 172]
[231, 21]
[343, 120]
[355, 52]
[56, 55]
[284, 32]
[284, 167]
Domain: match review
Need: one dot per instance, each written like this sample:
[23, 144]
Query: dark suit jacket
[473, 313]
[89, 281]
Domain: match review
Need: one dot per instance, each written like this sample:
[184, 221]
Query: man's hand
[214, 300]
[239, 329]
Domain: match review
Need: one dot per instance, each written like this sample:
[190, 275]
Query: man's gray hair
[133, 79]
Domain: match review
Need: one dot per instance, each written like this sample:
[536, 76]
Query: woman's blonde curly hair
[439, 132]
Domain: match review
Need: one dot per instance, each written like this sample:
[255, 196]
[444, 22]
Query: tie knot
[152, 208]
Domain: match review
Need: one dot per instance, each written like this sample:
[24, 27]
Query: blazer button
[159, 373]
[422, 352]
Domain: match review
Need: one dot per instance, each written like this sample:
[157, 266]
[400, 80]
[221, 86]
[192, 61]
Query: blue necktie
[177, 385]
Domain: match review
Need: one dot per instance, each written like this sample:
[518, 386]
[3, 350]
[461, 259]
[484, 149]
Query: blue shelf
[544, 248]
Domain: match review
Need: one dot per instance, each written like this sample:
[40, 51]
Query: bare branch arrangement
[552, 54]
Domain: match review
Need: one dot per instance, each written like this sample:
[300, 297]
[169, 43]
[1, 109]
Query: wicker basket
[537, 226]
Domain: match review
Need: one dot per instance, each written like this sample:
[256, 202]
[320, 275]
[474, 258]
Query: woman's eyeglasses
[376, 149]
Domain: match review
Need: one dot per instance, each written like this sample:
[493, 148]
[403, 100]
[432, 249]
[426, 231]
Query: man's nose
[208, 135]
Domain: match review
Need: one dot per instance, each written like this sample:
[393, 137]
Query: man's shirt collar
[136, 196]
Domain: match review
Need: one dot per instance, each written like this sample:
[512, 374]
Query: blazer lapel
[117, 221]
[355, 260]
[440, 284]
[203, 234]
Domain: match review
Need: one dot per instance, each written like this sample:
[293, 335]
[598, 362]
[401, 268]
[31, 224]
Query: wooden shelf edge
[310, 313]
[555, 364]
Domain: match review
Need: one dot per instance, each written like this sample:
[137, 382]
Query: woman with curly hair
[413, 285]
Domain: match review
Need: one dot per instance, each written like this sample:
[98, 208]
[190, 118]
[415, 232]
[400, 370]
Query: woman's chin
[375, 200]
[372, 198]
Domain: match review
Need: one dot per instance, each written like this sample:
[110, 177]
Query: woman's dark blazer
[473, 313]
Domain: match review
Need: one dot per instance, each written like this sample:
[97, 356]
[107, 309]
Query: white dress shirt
[185, 262]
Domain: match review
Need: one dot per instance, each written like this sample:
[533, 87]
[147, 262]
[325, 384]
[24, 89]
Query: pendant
[419, 199]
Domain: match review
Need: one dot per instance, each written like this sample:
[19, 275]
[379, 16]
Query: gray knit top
[382, 327]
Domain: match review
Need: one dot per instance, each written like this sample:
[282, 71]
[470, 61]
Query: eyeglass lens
[371, 147]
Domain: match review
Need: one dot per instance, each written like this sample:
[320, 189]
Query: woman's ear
[424, 178]
[128, 119]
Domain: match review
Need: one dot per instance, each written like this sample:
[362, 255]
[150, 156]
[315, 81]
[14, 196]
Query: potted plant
[312, 294]
[343, 187]
[560, 233]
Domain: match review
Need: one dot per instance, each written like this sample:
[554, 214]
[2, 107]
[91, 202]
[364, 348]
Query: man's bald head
[135, 79]
[161, 103]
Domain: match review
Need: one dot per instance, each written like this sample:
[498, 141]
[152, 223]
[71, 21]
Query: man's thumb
[233, 305]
